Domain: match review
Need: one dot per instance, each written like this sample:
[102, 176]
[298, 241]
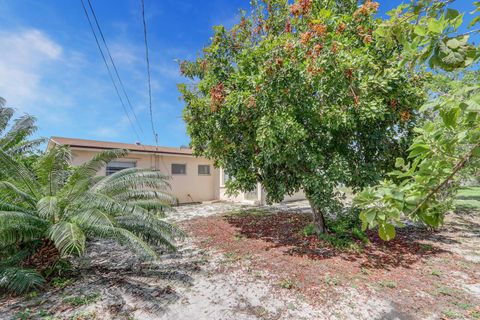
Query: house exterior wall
[257, 197]
[189, 187]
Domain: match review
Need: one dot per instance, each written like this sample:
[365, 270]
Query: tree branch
[457, 168]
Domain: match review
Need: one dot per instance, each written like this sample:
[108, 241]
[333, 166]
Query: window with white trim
[203, 170]
[179, 168]
[115, 166]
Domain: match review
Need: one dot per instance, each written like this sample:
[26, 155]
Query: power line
[114, 66]
[155, 135]
[109, 71]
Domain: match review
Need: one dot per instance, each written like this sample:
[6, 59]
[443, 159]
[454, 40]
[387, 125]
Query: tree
[48, 212]
[447, 142]
[302, 96]
[14, 140]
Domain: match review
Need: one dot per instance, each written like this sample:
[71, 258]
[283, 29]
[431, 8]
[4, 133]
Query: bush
[344, 231]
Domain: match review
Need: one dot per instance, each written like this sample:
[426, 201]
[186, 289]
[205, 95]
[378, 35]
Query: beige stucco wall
[190, 187]
[260, 194]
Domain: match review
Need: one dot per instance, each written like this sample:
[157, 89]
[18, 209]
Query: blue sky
[50, 66]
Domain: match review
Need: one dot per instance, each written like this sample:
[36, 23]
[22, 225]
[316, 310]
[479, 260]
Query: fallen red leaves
[274, 243]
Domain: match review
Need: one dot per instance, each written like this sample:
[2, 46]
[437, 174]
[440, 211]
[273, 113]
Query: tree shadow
[285, 229]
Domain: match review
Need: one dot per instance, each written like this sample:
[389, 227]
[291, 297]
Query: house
[193, 179]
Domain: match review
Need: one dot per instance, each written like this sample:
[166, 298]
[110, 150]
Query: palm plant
[47, 212]
[14, 140]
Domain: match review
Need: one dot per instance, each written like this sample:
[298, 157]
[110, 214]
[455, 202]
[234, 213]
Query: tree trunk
[46, 256]
[318, 219]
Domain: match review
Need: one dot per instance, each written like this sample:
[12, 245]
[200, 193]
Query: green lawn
[468, 197]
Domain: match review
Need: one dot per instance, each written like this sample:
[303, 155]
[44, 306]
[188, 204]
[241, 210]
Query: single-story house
[193, 179]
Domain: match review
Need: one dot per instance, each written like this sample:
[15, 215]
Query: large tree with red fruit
[302, 96]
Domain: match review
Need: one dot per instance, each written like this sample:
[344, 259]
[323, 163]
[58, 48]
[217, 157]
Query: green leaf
[68, 238]
[435, 26]
[47, 208]
[452, 14]
[420, 30]
[418, 149]
[399, 162]
[450, 117]
[386, 231]
[453, 43]
[474, 22]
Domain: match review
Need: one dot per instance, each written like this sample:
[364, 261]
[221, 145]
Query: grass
[388, 284]
[343, 232]
[287, 284]
[436, 273]
[450, 313]
[331, 280]
[468, 197]
[82, 300]
[60, 282]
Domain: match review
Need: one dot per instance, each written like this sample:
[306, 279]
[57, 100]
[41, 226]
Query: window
[114, 166]
[179, 168]
[203, 170]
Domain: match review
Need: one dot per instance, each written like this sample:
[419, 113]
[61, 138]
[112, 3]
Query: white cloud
[23, 55]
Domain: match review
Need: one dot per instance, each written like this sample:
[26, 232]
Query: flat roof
[103, 145]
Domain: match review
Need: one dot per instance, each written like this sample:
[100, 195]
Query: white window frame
[178, 174]
[204, 174]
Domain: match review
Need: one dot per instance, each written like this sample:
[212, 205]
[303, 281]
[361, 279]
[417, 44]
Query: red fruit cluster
[301, 7]
[319, 29]
[305, 37]
[341, 27]
[405, 116]
[217, 96]
[288, 27]
[367, 8]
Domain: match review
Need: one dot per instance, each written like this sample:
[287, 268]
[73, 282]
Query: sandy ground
[198, 283]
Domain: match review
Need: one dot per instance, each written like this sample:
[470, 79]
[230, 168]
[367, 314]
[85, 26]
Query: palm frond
[20, 227]
[9, 206]
[126, 238]
[16, 171]
[9, 191]
[5, 115]
[90, 168]
[132, 178]
[132, 195]
[47, 208]
[52, 169]
[20, 280]
[68, 238]
[86, 218]
[154, 206]
[153, 231]
[107, 204]
[22, 128]
[25, 146]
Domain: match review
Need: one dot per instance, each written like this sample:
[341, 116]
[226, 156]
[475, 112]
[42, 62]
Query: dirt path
[222, 273]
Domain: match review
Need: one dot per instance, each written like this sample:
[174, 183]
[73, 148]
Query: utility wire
[115, 67]
[155, 135]
[109, 71]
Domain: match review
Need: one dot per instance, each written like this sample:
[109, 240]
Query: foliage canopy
[446, 147]
[302, 96]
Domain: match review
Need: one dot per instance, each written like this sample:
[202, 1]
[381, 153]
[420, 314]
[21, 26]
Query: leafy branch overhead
[446, 148]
